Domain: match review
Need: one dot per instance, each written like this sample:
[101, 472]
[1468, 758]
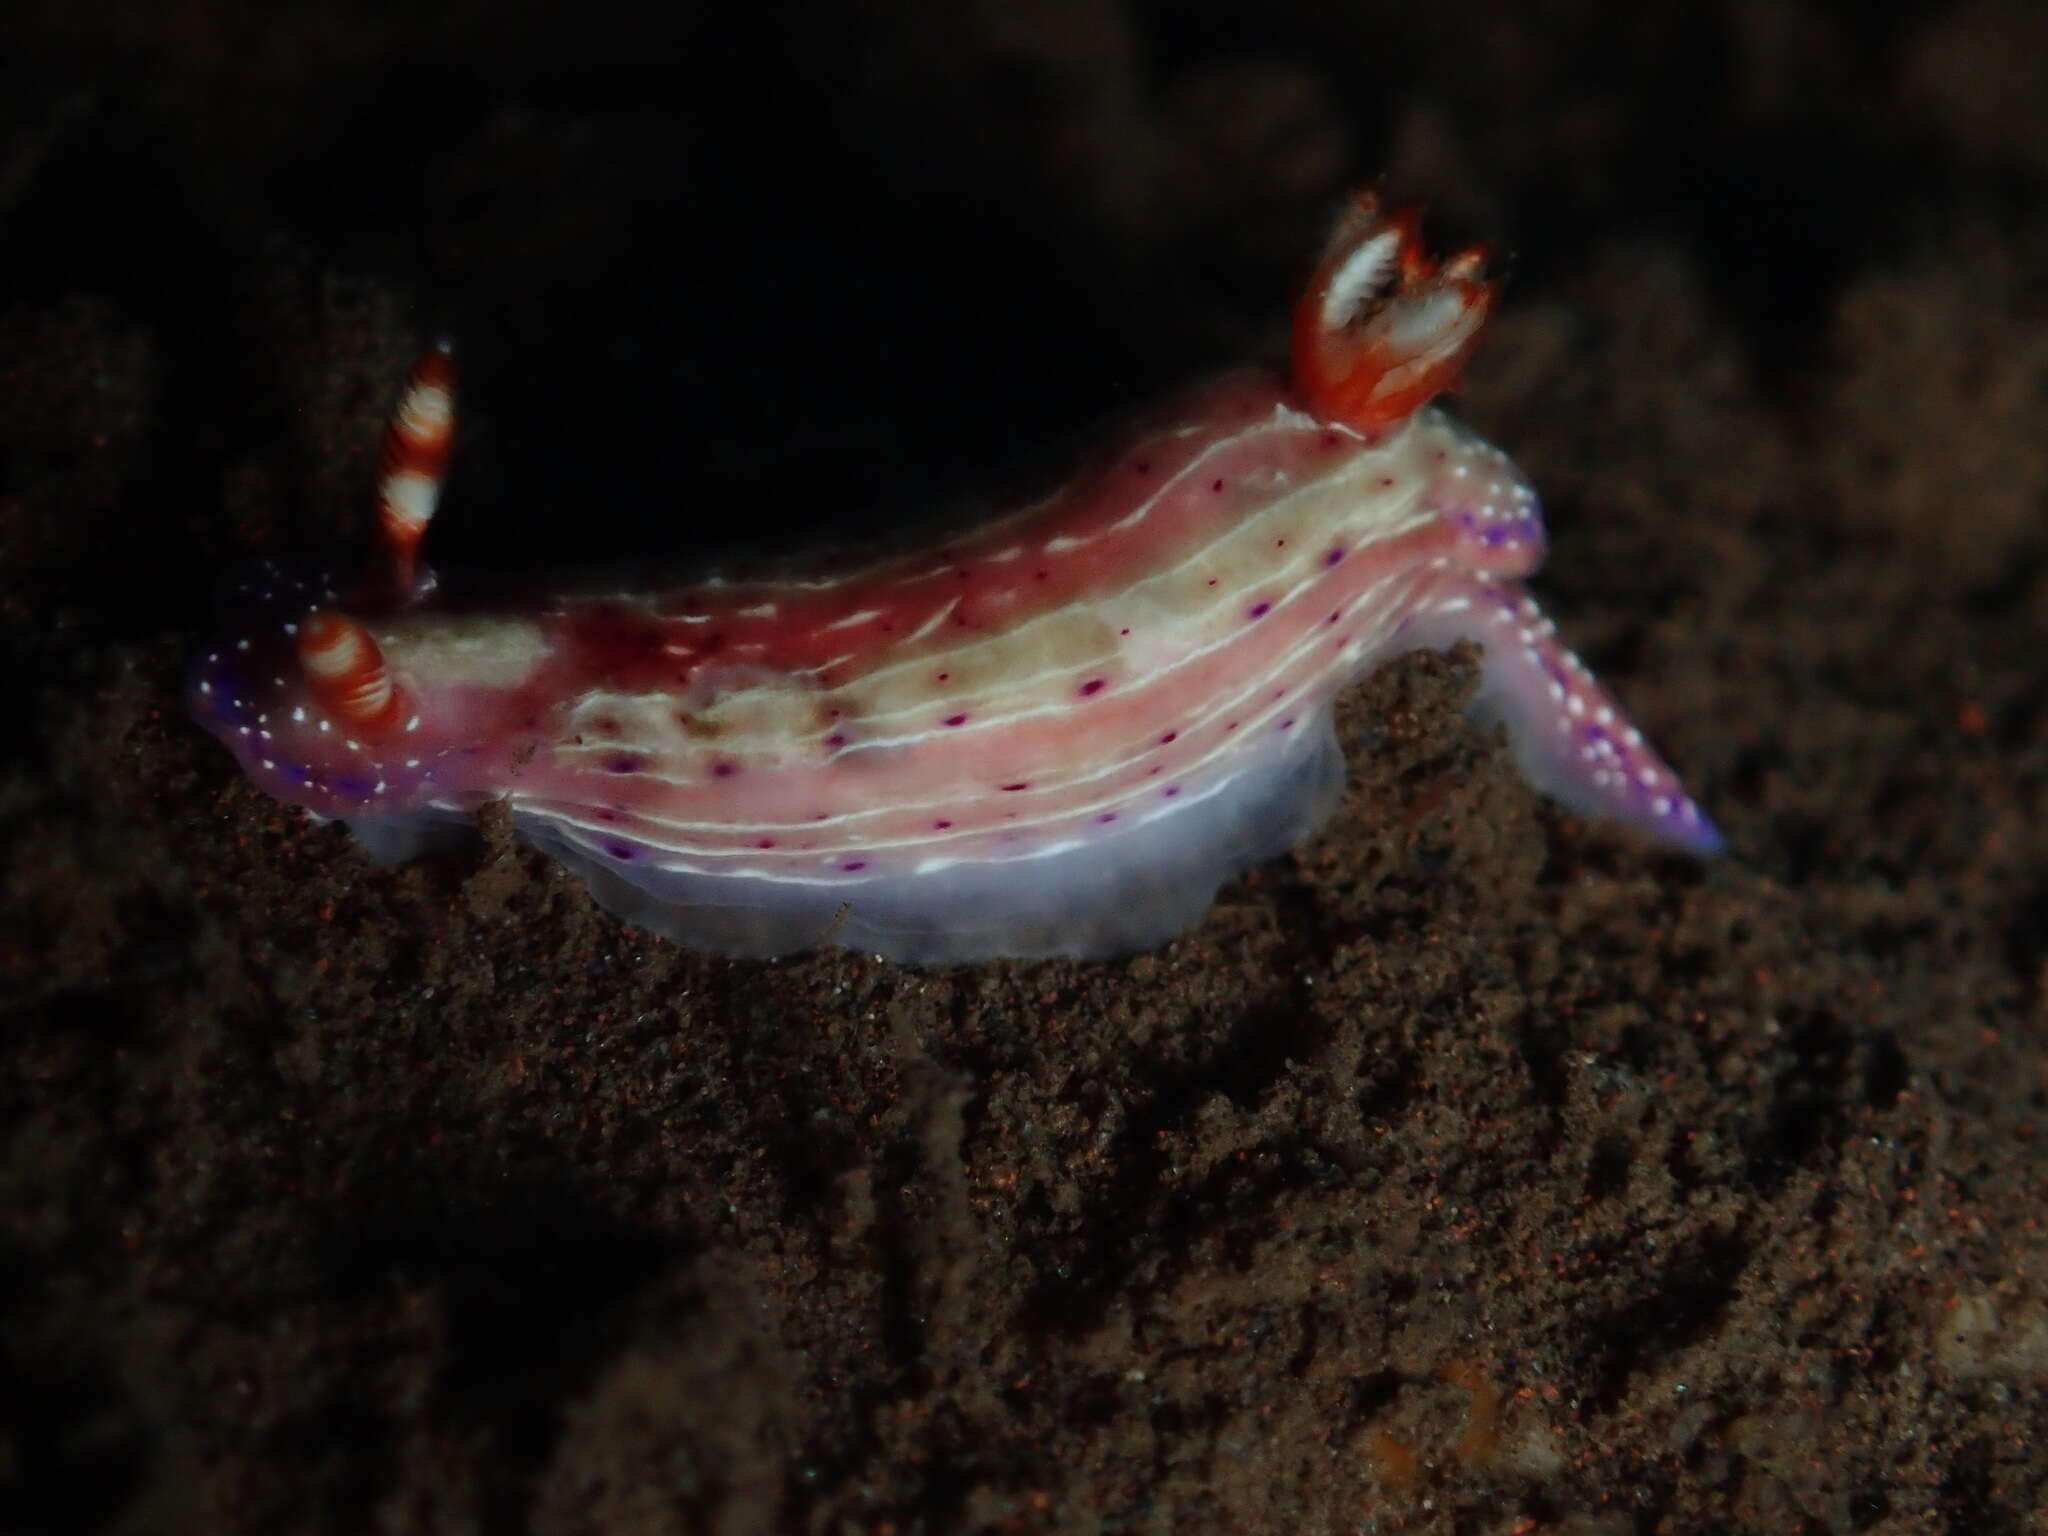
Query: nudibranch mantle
[1055, 733]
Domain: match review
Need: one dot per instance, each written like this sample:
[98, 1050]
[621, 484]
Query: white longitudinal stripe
[944, 613]
[1057, 702]
[625, 706]
[1230, 552]
[1218, 622]
[1281, 418]
[1042, 692]
[598, 835]
[1054, 703]
[1250, 716]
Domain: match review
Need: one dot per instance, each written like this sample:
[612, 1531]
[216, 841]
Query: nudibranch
[1056, 732]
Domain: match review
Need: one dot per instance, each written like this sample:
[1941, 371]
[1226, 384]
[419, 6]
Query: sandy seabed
[1473, 1170]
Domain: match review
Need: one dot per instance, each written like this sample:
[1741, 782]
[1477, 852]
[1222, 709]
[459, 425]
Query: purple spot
[942, 825]
[1216, 486]
[1169, 736]
[1287, 723]
[1020, 784]
[1336, 616]
[1106, 816]
[836, 739]
[1231, 727]
[956, 719]
[766, 842]
[1093, 686]
[1170, 791]
[1259, 610]
[1279, 543]
[1143, 466]
[852, 864]
[1333, 557]
[622, 763]
[1123, 631]
[619, 850]
[607, 815]
[723, 770]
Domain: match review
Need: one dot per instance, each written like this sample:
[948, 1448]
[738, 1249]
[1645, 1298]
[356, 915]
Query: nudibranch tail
[1570, 739]
[417, 445]
[1382, 327]
[346, 673]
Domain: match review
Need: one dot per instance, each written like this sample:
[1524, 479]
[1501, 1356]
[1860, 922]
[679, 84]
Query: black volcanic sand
[1473, 1170]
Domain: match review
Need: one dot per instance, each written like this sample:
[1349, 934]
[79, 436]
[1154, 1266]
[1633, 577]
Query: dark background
[1473, 1170]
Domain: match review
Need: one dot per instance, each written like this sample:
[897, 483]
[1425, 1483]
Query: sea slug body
[1055, 733]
